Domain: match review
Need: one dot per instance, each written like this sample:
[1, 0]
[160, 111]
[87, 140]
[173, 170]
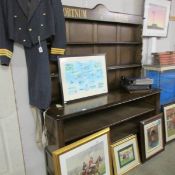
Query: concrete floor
[162, 164]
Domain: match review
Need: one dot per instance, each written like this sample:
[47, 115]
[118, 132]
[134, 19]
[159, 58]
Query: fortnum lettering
[75, 13]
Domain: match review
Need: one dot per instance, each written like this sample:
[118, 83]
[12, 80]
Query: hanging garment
[32, 23]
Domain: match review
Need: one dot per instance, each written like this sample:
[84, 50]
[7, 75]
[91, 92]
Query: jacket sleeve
[6, 45]
[59, 41]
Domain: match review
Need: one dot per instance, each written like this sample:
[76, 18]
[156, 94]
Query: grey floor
[162, 164]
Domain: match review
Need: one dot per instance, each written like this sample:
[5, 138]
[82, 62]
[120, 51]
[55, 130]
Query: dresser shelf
[129, 66]
[103, 43]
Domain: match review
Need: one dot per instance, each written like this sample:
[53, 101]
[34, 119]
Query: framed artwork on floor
[151, 132]
[89, 155]
[125, 154]
[169, 119]
[156, 18]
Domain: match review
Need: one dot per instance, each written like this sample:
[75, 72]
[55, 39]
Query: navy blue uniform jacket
[31, 23]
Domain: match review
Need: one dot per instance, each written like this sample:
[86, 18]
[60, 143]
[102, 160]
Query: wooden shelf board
[110, 68]
[103, 43]
[94, 122]
[96, 103]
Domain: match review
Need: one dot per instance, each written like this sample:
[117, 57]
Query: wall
[11, 156]
[34, 158]
[132, 7]
[153, 44]
[168, 43]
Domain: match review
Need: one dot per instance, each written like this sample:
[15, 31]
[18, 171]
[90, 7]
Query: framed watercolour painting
[125, 154]
[87, 156]
[169, 119]
[151, 137]
[156, 18]
[83, 76]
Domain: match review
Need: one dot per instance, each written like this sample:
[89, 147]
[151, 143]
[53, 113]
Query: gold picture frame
[125, 154]
[169, 119]
[90, 154]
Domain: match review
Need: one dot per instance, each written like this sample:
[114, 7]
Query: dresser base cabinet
[118, 110]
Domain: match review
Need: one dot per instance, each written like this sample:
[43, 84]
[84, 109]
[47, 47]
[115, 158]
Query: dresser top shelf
[95, 103]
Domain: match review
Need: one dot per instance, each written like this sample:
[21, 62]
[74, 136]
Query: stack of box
[164, 58]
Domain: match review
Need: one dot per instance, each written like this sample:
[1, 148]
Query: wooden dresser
[89, 32]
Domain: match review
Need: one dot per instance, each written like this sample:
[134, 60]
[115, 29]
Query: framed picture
[151, 131]
[125, 155]
[83, 76]
[169, 119]
[156, 18]
[89, 155]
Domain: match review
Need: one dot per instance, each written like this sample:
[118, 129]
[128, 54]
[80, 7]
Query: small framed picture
[169, 119]
[151, 132]
[88, 156]
[156, 18]
[125, 154]
[83, 76]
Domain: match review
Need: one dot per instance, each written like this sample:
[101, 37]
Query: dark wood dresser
[89, 32]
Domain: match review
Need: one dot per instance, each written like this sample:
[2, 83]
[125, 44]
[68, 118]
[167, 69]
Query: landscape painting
[156, 18]
[125, 154]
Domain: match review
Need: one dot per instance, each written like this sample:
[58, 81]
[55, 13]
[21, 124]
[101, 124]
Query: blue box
[164, 80]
